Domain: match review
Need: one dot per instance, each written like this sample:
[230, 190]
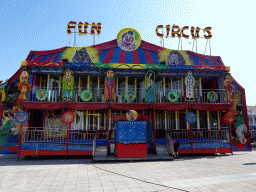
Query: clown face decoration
[128, 39]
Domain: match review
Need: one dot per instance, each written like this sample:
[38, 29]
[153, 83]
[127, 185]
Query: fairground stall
[126, 97]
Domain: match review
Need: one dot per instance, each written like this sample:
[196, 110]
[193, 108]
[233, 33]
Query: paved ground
[201, 173]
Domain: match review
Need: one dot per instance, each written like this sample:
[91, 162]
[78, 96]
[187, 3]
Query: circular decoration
[173, 96]
[21, 117]
[86, 95]
[190, 117]
[41, 94]
[128, 39]
[229, 117]
[131, 115]
[129, 96]
[212, 96]
[68, 117]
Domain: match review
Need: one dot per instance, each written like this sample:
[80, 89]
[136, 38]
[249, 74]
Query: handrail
[55, 94]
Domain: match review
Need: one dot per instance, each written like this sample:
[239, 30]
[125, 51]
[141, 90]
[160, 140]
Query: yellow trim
[79, 80]
[24, 63]
[126, 80]
[48, 78]
[60, 80]
[182, 79]
[197, 113]
[208, 114]
[200, 81]
[135, 81]
[109, 113]
[218, 114]
[99, 81]
[171, 82]
[117, 81]
[41, 80]
[164, 81]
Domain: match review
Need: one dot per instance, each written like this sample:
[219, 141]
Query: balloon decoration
[212, 96]
[68, 117]
[229, 117]
[130, 96]
[21, 117]
[41, 94]
[86, 95]
[173, 96]
[190, 117]
[131, 115]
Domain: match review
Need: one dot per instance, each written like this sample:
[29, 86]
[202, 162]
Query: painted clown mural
[110, 86]
[68, 85]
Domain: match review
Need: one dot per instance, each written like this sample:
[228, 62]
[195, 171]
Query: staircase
[100, 152]
[162, 151]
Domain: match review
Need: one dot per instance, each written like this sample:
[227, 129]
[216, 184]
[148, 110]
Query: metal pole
[191, 135]
[230, 137]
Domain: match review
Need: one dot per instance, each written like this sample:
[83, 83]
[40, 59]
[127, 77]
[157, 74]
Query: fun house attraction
[125, 98]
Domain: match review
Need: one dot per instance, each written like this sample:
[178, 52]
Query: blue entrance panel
[129, 132]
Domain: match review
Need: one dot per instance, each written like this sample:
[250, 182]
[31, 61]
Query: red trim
[123, 118]
[108, 128]
[224, 150]
[109, 56]
[230, 136]
[79, 152]
[20, 138]
[191, 136]
[46, 63]
[44, 152]
[130, 106]
[27, 152]
[154, 126]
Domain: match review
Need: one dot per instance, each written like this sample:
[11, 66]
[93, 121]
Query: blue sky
[42, 25]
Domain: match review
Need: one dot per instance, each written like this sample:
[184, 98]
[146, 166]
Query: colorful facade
[107, 84]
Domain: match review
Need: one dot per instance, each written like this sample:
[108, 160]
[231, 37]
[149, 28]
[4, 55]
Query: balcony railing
[39, 135]
[203, 135]
[200, 95]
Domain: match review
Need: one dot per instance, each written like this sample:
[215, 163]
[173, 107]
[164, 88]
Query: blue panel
[223, 145]
[207, 62]
[194, 59]
[28, 146]
[58, 57]
[142, 57]
[204, 146]
[80, 148]
[160, 141]
[128, 132]
[5, 151]
[185, 146]
[45, 57]
[154, 57]
[129, 57]
[103, 55]
[116, 55]
[50, 147]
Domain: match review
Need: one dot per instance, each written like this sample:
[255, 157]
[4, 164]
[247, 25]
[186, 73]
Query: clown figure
[110, 86]
[68, 85]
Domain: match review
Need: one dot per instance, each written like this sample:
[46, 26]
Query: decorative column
[86, 120]
[48, 86]
[117, 89]
[208, 124]
[88, 82]
[188, 127]
[135, 87]
[164, 89]
[59, 88]
[98, 90]
[200, 89]
[176, 119]
[198, 119]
